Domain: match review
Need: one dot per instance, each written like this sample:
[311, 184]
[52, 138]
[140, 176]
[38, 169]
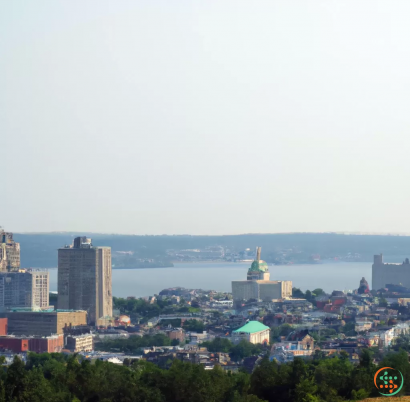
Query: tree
[305, 391]
[318, 292]
[194, 326]
[297, 293]
[244, 349]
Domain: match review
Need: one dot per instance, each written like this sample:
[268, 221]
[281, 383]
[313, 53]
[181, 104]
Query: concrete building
[80, 343]
[258, 286]
[385, 273]
[253, 332]
[24, 288]
[84, 279]
[176, 333]
[43, 323]
[9, 252]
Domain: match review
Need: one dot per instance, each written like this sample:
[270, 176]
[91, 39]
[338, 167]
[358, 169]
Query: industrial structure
[9, 252]
[84, 279]
[387, 273]
[258, 286]
[24, 288]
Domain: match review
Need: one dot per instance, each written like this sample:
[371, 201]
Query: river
[218, 276]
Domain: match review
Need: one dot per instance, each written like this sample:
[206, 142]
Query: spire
[258, 253]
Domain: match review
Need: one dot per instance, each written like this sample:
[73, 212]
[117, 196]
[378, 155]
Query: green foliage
[382, 302]
[297, 293]
[218, 345]
[133, 343]
[57, 378]
[282, 330]
[194, 326]
[244, 349]
[237, 352]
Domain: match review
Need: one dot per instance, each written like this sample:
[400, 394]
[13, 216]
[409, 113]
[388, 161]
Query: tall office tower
[84, 279]
[9, 252]
[25, 288]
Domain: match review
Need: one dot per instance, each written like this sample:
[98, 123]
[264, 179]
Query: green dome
[259, 266]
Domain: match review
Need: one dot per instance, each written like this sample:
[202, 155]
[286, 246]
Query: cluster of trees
[56, 378]
[145, 310]
[236, 352]
[308, 295]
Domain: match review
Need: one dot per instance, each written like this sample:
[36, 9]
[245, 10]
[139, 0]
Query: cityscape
[261, 318]
[204, 201]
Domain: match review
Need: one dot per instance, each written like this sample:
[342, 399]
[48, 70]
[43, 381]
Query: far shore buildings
[258, 286]
[9, 252]
[84, 279]
[387, 273]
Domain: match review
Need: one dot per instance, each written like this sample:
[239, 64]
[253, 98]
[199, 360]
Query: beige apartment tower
[9, 252]
[24, 288]
[84, 279]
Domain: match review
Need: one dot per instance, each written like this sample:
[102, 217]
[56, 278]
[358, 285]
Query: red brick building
[49, 344]
[16, 345]
[3, 326]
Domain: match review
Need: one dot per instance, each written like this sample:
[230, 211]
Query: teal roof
[258, 266]
[252, 327]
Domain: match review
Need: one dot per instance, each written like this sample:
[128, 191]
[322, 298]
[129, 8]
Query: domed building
[259, 269]
[258, 286]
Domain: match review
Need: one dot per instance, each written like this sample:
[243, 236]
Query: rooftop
[252, 327]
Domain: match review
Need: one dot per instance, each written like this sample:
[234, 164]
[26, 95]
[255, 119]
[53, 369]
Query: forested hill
[40, 250]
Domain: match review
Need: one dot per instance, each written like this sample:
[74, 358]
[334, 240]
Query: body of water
[218, 276]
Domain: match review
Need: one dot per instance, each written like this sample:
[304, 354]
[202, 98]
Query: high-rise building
[25, 288]
[258, 286]
[84, 279]
[9, 252]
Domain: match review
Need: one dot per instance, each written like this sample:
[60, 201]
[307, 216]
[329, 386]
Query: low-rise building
[46, 344]
[43, 323]
[176, 333]
[15, 344]
[80, 343]
[253, 331]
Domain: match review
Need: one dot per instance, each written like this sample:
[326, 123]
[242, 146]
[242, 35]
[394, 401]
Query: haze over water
[218, 276]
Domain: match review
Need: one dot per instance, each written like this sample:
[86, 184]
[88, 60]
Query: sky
[205, 117]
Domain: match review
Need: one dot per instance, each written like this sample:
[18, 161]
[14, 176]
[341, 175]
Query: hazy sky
[205, 117]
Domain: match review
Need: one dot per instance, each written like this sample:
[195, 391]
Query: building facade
[24, 288]
[46, 344]
[258, 286]
[43, 323]
[253, 332]
[80, 343]
[9, 252]
[384, 273]
[15, 344]
[84, 279]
